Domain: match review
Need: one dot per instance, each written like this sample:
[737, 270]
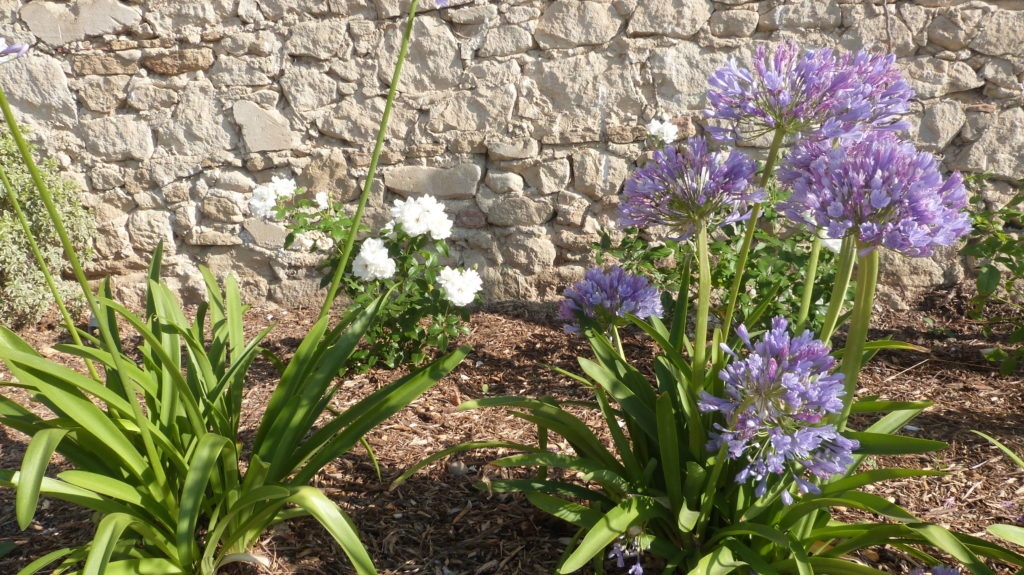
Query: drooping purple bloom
[607, 297]
[775, 400]
[945, 570]
[8, 53]
[815, 92]
[880, 188]
[682, 189]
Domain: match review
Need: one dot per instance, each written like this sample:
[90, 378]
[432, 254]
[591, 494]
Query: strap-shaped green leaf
[874, 476]
[632, 511]
[568, 511]
[949, 543]
[718, 562]
[33, 466]
[338, 436]
[149, 566]
[830, 566]
[1012, 533]
[108, 534]
[857, 499]
[193, 493]
[889, 444]
[316, 504]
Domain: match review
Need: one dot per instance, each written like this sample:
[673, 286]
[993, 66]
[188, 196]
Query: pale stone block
[263, 130]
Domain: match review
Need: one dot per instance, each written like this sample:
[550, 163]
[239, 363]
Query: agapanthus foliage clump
[881, 189]
[776, 399]
[427, 305]
[830, 94]
[685, 188]
[604, 298]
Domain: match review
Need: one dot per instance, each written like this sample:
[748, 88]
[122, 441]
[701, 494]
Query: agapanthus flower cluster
[628, 547]
[11, 52]
[775, 400]
[460, 286]
[421, 215]
[607, 297]
[818, 91]
[691, 187]
[879, 188]
[373, 262]
[265, 197]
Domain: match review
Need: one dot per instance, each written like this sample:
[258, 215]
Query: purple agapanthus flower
[775, 400]
[880, 188]
[682, 189]
[8, 53]
[815, 92]
[607, 297]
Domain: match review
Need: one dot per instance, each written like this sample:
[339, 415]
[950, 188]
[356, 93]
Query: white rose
[460, 286]
[373, 261]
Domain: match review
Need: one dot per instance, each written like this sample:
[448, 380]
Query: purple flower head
[685, 188]
[944, 570]
[818, 91]
[8, 53]
[607, 297]
[775, 399]
[880, 188]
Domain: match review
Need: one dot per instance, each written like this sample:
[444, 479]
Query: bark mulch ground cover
[441, 523]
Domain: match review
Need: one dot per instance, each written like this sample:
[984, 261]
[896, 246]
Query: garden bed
[440, 523]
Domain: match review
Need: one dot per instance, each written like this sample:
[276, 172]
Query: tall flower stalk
[378, 148]
[7, 53]
[874, 192]
[689, 191]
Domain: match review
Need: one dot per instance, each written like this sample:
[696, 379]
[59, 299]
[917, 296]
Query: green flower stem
[748, 236]
[700, 334]
[809, 281]
[711, 489]
[346, 251]
[159, 479]
[617, 340]
[857, 335]
[844, 270]
[51, 284]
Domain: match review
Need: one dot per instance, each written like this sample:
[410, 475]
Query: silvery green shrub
[24, 297]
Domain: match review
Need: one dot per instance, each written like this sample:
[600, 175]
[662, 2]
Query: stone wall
[524, 116]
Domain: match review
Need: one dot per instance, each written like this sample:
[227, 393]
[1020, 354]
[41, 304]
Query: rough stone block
[103, 93]
[571, 23]
[179, 61]
[505, 41]
[114, 139]
[674, 18]
[459, 182]
[263, 130]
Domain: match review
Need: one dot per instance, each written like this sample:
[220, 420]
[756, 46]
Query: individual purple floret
[775, 399]
[685, 188]
[607, 297]
[881, 189]
[12, 51]
[818, 91]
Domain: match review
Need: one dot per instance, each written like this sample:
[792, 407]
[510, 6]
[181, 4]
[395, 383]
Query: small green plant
[997, 241]
[427, 308]
[24, 296]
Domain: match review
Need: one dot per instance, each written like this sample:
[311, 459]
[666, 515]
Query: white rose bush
[426, 303]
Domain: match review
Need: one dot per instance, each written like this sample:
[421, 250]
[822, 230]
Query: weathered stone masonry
[524, 116]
